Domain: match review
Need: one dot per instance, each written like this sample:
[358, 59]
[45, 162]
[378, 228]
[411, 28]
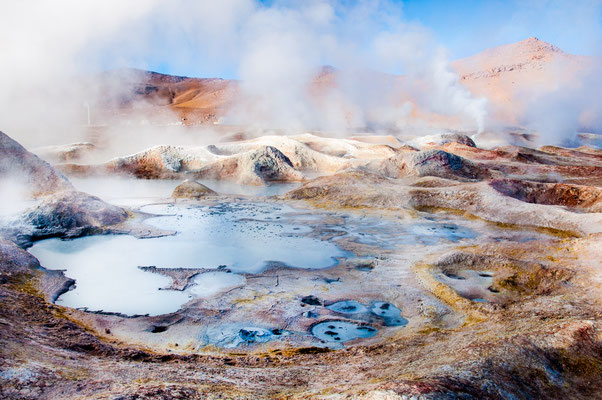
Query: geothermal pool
[227, 242]
[244, 237]
[216, 253]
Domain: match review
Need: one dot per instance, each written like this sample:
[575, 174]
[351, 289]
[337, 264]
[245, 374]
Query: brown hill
[509, 76]
[163, 97]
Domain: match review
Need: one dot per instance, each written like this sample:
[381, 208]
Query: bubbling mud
[342, 331]
[234, 263]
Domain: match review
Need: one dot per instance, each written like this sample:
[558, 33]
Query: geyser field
[438, 269]
[351, 216]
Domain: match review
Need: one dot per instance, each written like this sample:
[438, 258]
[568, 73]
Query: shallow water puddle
[374, 231]
[211, 283]
[389, 313]
[246, 237]
[348, 307]
[470, 284]
[341, 331]
[233, 335]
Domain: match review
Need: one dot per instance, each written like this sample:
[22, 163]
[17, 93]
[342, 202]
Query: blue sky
[469, 26]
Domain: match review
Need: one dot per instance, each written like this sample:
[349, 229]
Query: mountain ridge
[501, 74]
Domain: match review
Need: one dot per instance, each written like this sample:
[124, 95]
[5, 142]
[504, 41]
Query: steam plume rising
[387, 72]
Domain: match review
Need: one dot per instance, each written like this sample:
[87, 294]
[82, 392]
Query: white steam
[388, 73]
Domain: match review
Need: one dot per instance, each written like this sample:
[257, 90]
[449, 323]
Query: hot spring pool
[245, 237]
[233, 239]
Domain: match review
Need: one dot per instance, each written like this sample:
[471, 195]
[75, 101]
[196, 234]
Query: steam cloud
[50, 50]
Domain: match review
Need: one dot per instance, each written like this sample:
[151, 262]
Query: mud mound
[236, 160]
[65, 153]
[315, 158]
[587, 198]
[19, 164]
[337, 188]
[191, 190]
[582, 152]
[444, 165]
[70, 214]
[258, 167]
[432, 162]
[13, 259]
[271, 165]
[369, 190]
[349, 148]
[161, 162]
[509, 278]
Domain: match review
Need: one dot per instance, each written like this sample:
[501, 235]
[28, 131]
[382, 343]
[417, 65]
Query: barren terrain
[308, 265]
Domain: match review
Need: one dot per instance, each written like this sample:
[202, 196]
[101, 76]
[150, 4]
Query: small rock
[191, 190]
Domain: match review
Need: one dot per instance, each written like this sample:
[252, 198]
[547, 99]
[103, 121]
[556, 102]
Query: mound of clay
[339, 189]
[19, 164]
[306, 152]
[267, 164]
[432, 162]
[578, 196]
[191, 190]
[65, 153]
[271, 165]
[443, 165]
[161, 162]
[72, 213]
[14, 259]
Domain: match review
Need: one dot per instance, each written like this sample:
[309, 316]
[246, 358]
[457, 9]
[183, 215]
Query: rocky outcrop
[71, 214]
[587, 198]
[14, 259]
[191, 190]
[258, 167]
[65, 153]
[432, 162]
[368, 190]
[62, 211]
[22, 166]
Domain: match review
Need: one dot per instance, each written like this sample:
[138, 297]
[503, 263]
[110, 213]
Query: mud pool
[260, 271]
[342, 331]
[244, 237]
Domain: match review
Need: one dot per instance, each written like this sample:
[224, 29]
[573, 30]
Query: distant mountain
[161, 97]
[509, 76]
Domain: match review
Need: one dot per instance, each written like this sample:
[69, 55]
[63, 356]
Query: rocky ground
[497, 317]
